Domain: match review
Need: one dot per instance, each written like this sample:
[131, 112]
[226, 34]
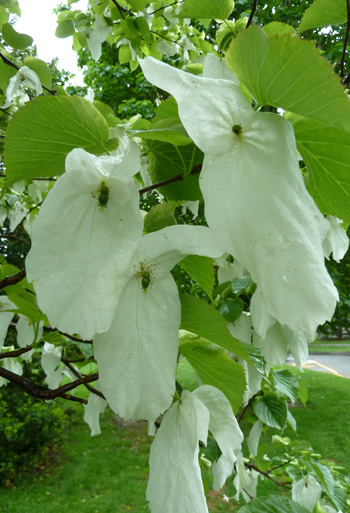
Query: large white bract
[137, 356]
[255, 197]
[81, 244]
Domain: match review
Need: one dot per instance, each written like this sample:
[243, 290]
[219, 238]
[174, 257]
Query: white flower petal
[225, 429]
[16, 215]
[208, 108]
[274, 346]
[79, 249]
[50, 357]
[95, 406]
[27, 334]
[254, 437]
[262, 214]
[137, 356]
[336, 241]
[128, 154]
[214, 67]
[99, 34]
[243, 477]
[175, 483]
[306, 492]
[5, 317]
[12, 365]
[242, 328]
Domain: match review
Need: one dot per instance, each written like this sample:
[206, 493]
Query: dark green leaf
[273, 504]
[271, 410]
[159, 217]
[201, 270]
[231, 309]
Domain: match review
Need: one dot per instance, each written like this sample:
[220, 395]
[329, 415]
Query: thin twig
[121, 9]
[166, 38]
[12, 280]
[266, 474]
[342, 63]
[16, 352]
[178, 178]
[71, 337]
[13, 65]
[252, 12]
[78, 375]
[165, 6]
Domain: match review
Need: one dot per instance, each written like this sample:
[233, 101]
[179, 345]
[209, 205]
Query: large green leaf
[40, 68]
[271, 410]
[169, 161]
[201, 270]
[214, 367]
[213, 9]
[15, 39]
[273, 504]
[286, 383]
[45, 130]
[326, 153]
[288, 72]
[203, 320]
[159, 217]
[323, 13]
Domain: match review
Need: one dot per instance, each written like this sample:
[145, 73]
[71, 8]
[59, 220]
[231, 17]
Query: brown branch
[44, 393]
[71, 337]
[178, 178]
[166, 38]
[12, 280]
[13, 65]
[266, 474]
[165, 6]
[252, 12]
[16, 352]
[122, 10]
[342, 62]
[78, 375]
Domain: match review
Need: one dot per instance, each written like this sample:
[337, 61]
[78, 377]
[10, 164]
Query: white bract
[27, 334]
[5, 317]
[306, 491]
[336, 241]
[137, 356]
[83, 238]
[95, 38]
[175, 483]
[24, 77]
[96, 405]
[255, 197]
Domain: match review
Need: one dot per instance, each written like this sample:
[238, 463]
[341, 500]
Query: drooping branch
[71, 337]
[178, 178]
[342, 63]
[122, 9]
[166, 38]
[267, 475]
[16, 352]
[252, 12]
[13, 65]
[12, 280]
[44, 393]
[165, 6]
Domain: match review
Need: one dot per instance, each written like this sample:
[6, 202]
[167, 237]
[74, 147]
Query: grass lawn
[329, 346]
[108, 473]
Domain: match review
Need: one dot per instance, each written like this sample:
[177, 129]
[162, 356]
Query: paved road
[334, 364]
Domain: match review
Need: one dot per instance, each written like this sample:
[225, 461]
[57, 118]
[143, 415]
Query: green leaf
[215, 368]
[45, 130]
[15, 39]
[324, 475]
[64, 29]
[323, 13]
[164, 132]
[203, 320]
[169, 161]
[138, 5]
[326, 153]
[231, 309]
[286, 383]
[6, 72]
[25, 307]
[271, 29]
[212, 9]
[186, 375]
[40, 68]
[159, 217]
[271, 410]
[288, 72]
[240, 284]
[201, 270]
[272, 504]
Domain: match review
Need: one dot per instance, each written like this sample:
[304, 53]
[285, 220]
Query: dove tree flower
[178, 487]
[137, 356]
[255, 197]
[83, 237]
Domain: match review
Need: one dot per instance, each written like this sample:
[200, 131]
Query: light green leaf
[270, 410]
[42, 133]
[201, 270]
[212, 9]
[276, 27]
[25, 307]
[41, 69]
[164, 133]
[159, 217]
[203, 320]
[138, 5]
[324, 475]
[288, 72]
[215, 368]
[186, 375]
[65, 29]
[326, 153]
[169, 161]
[6, 72]
[286, 383]
[323, 13]
[273, 504]
[15, 39]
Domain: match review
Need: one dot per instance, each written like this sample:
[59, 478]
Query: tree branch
[44, 393]
[16, 352]
[12, 280]
[165, 6]
[166, 38]
[122, 10]
[78, 375]
[178, 178]
[342, 63]
[252, 12]
[266, 474]
[13, 65]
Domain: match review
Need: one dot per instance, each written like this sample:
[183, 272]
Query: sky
[38, 21]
